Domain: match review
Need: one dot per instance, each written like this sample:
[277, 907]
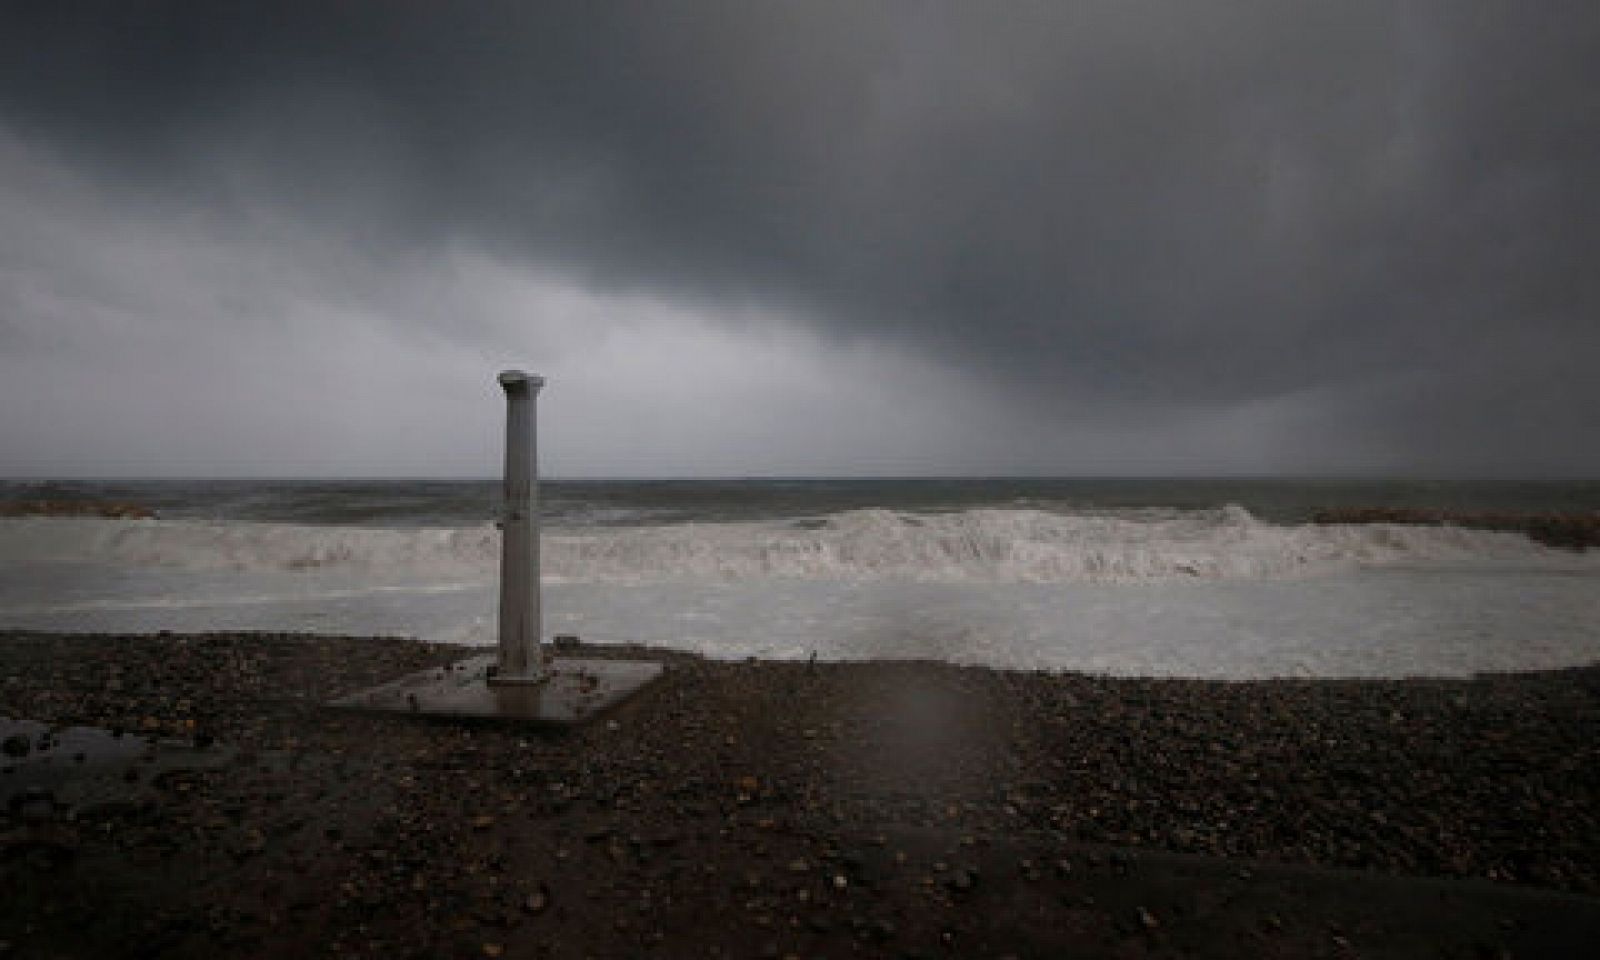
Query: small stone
[483, 822]
[493, 949]
[1147, 919]
[537, 901]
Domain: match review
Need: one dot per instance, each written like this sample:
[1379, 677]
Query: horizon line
[781, 477]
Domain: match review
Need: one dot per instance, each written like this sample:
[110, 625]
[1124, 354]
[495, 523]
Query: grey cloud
[1122, 211]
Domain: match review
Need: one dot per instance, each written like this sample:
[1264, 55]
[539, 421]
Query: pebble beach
[791, 809]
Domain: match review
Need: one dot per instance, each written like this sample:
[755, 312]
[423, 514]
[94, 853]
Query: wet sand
[777, 809]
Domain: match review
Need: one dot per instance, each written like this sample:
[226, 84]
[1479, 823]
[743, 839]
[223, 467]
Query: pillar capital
[514, 381]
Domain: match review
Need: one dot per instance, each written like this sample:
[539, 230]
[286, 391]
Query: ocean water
[1216, 578]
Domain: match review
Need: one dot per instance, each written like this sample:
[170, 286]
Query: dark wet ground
[758, 809]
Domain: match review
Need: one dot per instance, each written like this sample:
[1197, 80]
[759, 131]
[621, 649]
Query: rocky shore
[792, 809]
[119, 509]
[1570, 531]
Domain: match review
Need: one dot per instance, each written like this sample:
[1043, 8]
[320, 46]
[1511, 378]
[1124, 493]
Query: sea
[1219, 578]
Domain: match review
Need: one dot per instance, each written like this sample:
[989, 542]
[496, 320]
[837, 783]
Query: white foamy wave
[1019, 546]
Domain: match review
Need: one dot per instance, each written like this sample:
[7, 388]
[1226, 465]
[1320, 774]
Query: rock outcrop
[1571, 531]
[75, 508]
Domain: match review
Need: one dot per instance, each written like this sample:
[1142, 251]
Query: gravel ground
[777, 809]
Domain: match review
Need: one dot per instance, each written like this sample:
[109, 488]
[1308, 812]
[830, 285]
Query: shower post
[521, 656]
[519, 681]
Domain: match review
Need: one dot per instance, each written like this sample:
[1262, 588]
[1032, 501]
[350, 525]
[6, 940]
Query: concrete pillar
[521, 657]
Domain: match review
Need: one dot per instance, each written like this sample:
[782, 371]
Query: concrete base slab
[576, 690]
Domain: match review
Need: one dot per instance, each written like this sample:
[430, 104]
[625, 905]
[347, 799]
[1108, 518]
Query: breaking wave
[987, 545]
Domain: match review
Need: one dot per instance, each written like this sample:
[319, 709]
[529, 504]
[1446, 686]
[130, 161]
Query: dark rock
[1571, 531]
[33, 803]
[75, 508]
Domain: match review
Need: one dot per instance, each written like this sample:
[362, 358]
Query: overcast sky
[807, 238]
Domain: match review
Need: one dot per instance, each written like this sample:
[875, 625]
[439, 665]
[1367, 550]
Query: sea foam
[975, 546]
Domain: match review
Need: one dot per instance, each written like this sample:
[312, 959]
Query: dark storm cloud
[1377, 217]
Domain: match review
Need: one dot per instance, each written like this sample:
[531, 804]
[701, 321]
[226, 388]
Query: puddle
[48, 771]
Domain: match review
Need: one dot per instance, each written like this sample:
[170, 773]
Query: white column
[521, 658]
